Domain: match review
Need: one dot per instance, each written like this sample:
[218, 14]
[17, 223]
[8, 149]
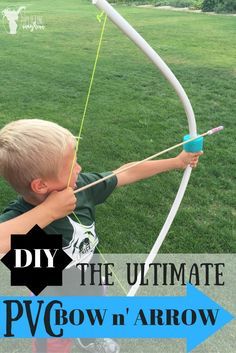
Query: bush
[209, 5]
[227, 6]
[197, 5]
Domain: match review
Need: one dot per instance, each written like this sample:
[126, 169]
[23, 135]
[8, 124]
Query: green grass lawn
[133, 113]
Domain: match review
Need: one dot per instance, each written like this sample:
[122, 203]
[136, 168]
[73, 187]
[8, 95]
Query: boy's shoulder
[98, 193]
[14, 209]
[87, 178]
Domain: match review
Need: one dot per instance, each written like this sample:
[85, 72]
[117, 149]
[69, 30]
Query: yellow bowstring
[78, 138]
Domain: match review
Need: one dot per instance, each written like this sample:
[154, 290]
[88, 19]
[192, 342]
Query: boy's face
[61, 182]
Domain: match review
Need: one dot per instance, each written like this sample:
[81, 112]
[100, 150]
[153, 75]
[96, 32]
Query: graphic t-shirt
[79, 236]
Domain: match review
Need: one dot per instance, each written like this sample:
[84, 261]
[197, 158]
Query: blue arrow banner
[194, 317]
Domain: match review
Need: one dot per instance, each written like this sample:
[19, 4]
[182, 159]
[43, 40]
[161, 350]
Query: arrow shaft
[122, 170]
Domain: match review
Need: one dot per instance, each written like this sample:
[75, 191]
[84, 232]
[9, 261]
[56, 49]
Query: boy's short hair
[31, 149]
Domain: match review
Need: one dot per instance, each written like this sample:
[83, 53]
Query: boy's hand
[60, 203]
[186, 158]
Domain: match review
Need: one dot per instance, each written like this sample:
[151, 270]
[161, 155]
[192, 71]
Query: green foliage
[174, 3]
[223, 6]
[227, 6]
[209, 5]
[197, 5]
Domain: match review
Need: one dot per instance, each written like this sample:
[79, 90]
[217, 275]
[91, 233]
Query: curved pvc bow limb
[130, 32]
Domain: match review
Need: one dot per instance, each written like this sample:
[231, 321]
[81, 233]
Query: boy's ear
[39, 186]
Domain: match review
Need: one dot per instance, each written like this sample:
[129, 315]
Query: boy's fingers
[193, 165]
[198, 154]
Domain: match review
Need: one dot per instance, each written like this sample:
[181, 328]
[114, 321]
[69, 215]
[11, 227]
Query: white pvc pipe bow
[130, 32]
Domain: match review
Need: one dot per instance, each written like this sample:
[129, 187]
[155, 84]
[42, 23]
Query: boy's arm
[150, 168]
[57, 205]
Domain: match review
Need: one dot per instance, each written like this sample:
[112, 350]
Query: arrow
[122, 170]
[194, 317]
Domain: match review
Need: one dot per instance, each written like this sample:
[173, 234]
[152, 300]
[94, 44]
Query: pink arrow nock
[215, 130]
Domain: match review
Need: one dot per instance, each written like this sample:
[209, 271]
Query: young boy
[37, 160]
